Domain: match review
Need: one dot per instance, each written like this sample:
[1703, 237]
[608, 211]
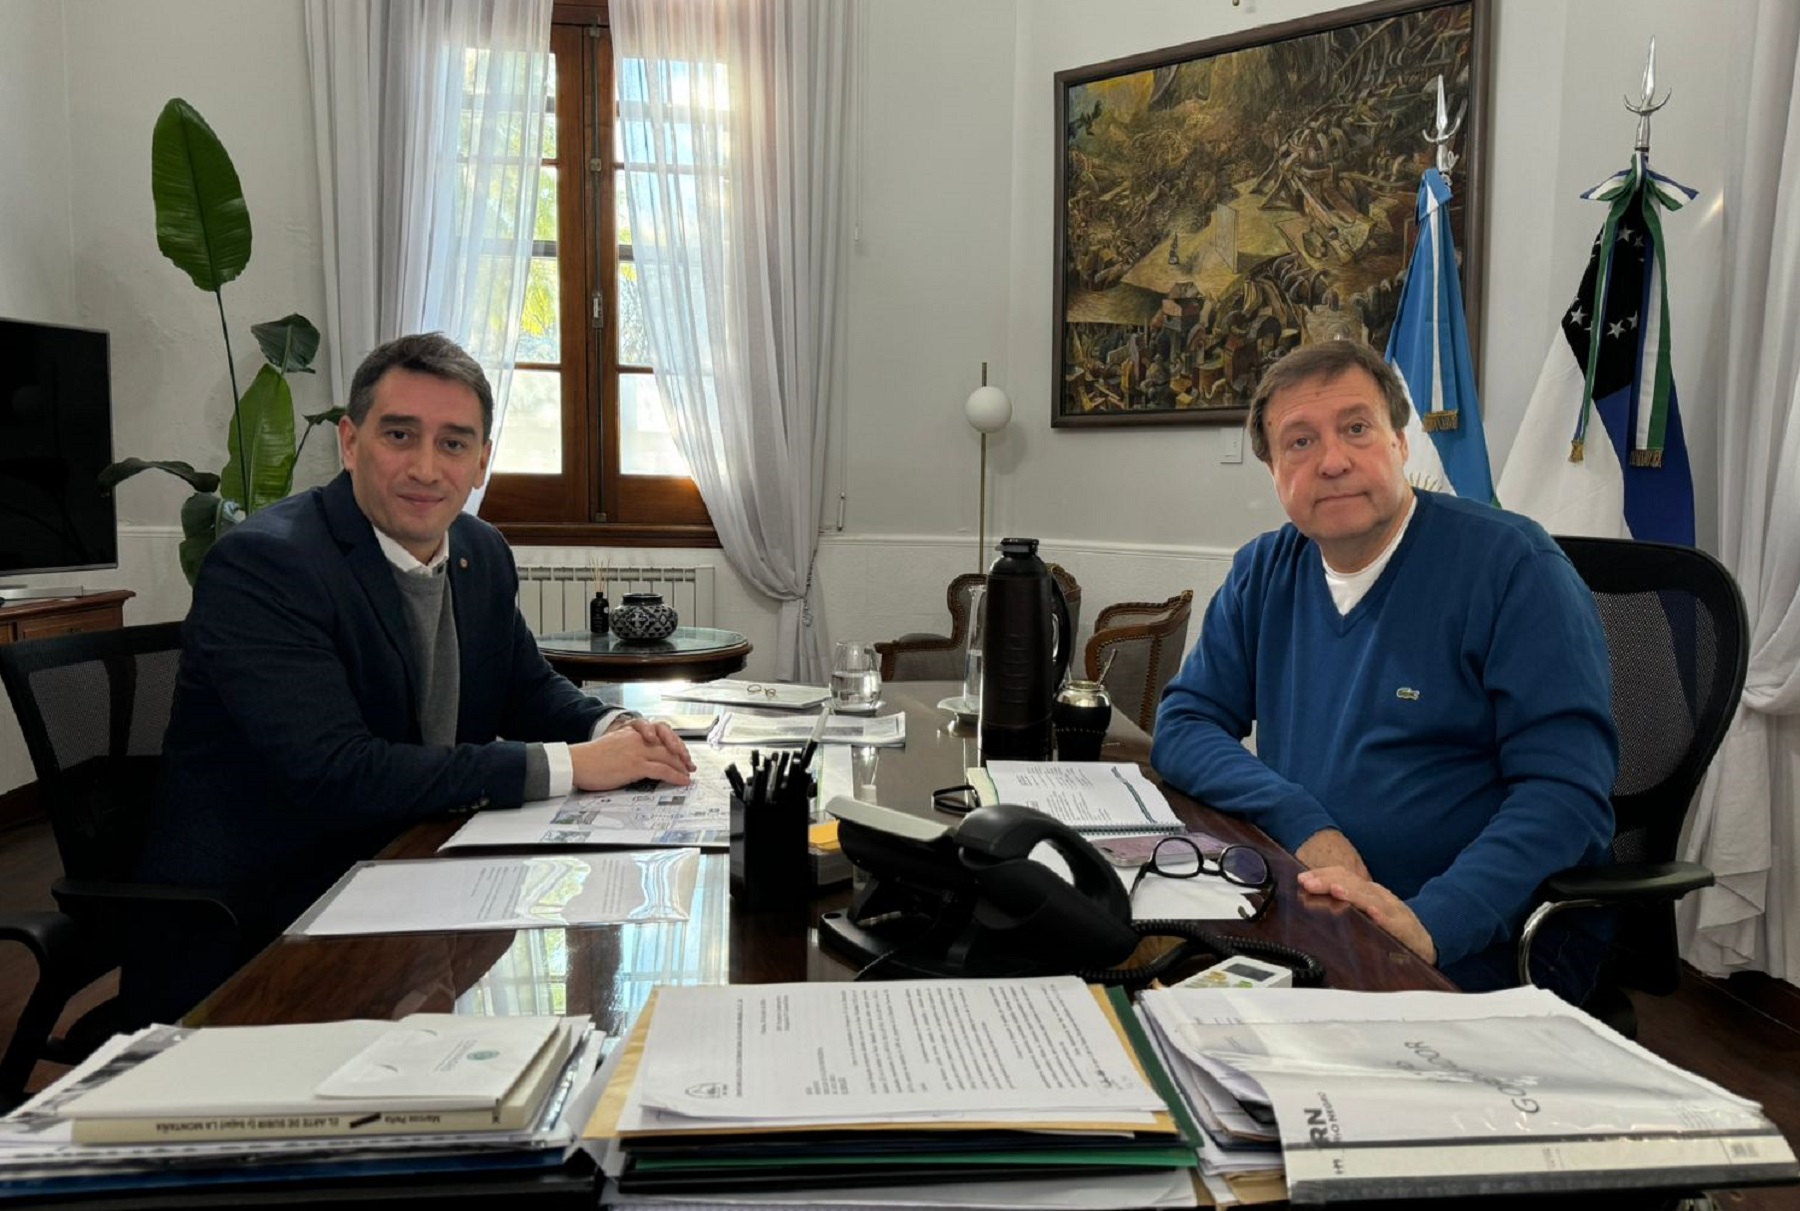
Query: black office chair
[93, 709]
[1676, 634]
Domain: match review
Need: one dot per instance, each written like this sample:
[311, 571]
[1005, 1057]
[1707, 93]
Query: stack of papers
[251, 1104]
[803, 1086]
[1373, 1096]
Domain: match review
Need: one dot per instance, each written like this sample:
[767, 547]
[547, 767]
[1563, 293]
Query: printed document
[1091, 797]
[1376, 1095]
[840, 1052]
[698, 814]
[439, 894]
[753, 693]
[880, 731]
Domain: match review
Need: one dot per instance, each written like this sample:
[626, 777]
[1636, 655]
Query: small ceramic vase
[643, 617]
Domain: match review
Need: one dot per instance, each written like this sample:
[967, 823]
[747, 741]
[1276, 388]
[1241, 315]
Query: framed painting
[1222, 202]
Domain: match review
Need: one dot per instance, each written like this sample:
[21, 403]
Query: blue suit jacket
[294, 747]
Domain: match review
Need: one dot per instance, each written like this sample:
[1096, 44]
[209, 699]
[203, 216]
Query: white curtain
[733, 117]
[428, 116]
[1743, 826]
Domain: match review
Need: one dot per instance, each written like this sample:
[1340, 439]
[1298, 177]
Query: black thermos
[1027, 648]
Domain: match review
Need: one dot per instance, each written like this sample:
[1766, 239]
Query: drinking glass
[973, 655]
[855, 676]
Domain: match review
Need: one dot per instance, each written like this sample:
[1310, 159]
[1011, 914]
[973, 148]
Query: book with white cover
[428, 1072]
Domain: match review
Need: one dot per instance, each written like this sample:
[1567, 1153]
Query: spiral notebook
[1095, 798]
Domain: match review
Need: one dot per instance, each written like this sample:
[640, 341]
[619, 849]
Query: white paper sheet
[881, 731]
[447, 894]
[858, 1052]
[698, 814]
[752, 693]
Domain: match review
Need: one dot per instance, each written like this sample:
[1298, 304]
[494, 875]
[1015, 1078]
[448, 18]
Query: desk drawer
[76, 622]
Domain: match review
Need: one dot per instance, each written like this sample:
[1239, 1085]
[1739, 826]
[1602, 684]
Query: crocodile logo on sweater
[1406, 693]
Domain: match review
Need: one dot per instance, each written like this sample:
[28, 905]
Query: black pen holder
[770, 865]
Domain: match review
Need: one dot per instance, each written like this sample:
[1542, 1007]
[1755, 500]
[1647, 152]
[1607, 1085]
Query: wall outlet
[1231, 444]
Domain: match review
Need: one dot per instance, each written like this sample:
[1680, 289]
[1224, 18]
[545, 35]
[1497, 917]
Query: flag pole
[1646, 104]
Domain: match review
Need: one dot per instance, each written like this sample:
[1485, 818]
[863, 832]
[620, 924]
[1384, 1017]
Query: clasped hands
[629, 750]
[1335, 869]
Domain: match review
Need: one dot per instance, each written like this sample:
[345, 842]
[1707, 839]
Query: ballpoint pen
[818, 733]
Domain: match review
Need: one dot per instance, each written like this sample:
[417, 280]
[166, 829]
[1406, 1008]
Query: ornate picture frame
[1221, 202]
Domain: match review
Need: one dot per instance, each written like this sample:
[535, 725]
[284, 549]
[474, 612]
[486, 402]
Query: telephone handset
[970, 900]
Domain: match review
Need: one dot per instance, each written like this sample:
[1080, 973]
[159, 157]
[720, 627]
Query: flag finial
[1647, 104]
[1446, 130]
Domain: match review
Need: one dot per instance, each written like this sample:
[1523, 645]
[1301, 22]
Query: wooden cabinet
[63, 615]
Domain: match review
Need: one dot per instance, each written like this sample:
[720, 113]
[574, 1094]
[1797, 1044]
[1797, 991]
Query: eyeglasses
[1181, 858]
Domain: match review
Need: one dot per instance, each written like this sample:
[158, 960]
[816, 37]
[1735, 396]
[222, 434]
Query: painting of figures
[1221, 203]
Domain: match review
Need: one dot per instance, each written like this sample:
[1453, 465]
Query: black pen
[736, 779]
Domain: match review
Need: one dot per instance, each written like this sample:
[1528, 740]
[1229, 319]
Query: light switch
[1231, 444]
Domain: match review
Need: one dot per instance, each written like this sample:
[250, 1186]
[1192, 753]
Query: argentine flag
[1429, 346]
[1600, 451]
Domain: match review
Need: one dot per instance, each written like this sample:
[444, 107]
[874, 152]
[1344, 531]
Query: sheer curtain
[1743, 826]
[732, 114]
[428, 118]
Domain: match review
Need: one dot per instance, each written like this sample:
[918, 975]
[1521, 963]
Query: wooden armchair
[923, 657]
[1139, 645]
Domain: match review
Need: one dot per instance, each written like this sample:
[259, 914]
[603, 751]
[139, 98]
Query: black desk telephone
[969, 900]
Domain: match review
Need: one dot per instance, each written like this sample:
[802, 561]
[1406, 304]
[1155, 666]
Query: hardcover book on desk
[426, 1073]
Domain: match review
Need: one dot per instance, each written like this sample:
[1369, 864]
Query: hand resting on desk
[1329, 847]
[1374, 902]
[630, 750]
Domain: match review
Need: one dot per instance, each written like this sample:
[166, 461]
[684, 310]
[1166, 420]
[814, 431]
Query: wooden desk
[690, 654]
[608, 970]
[49, 616]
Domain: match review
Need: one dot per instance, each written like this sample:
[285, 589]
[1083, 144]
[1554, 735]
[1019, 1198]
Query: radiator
[555, 597]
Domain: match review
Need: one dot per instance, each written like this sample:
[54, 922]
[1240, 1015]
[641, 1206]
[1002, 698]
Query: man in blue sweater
[1427, 678]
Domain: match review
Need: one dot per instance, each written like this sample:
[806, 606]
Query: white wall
[36, 282]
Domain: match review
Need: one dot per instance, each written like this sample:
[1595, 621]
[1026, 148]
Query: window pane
[540, 330]
[634, 342]
[531, 442]
[624, 215]
[545, 228]
[645, 447]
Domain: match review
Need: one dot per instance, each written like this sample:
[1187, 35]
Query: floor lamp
[988, 411]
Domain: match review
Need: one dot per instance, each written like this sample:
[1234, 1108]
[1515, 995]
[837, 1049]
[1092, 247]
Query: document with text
[835, 1052]
[1092, 797]
[881, 731]
[444, 894]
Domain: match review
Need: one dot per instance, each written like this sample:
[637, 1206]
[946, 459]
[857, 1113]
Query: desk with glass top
[691, 653]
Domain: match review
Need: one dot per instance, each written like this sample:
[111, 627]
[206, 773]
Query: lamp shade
[988, 409]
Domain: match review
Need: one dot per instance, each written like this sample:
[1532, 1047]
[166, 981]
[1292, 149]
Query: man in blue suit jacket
[354, 662]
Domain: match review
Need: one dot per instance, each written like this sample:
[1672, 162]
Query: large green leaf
[125, 468]
[267, 416]
[290, 343]
[203, 518]
[202, 223]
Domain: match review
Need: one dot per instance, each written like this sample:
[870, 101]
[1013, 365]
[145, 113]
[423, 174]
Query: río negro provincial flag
[1600, 451]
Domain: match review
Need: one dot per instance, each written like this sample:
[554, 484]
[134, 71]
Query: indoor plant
[203, 226]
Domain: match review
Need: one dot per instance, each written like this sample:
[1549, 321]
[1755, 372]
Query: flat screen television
[55, 438]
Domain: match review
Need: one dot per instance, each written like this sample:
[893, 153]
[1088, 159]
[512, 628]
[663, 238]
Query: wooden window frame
[591, 503]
